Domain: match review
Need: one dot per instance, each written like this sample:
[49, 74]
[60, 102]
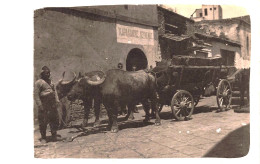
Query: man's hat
[45, 69]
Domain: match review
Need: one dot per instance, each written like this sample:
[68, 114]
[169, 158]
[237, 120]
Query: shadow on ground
[166, 115]
[242, 109]
[79, 131]
[201, 109]
[236, 144]
[204, 109]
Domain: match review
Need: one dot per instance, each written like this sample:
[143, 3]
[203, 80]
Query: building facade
[179, 35]
[84, 39]
[174, 32]
[207, 12]
[229, 50]
[236, 29]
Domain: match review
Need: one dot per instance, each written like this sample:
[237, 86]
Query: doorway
[137, 58]
[228, 57]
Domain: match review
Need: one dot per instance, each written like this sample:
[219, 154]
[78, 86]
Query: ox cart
[182, 83]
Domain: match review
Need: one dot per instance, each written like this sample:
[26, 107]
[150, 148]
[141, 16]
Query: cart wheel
[182, 105]
[224, 95]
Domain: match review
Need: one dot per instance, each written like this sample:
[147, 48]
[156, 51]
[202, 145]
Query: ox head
[84, 86]
[63, 87]
[164, 77]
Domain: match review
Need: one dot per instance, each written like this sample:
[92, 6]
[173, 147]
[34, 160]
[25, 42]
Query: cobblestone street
[207, 134]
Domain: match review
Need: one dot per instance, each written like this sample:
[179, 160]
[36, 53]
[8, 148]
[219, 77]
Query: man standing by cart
[47, 102]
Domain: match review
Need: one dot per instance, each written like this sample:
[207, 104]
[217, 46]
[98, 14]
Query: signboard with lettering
[134, 35]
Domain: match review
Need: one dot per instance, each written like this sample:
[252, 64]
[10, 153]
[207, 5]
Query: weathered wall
[65, 41]
[167, 19]
[216, 46]
[215, 50]
[141, 13]
[232, 29]
[183, 26]
[214, 12]
[198, 13]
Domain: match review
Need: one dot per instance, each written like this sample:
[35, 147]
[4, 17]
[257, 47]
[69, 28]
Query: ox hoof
[84, 123]
[126, 118]
[157, 123]
[227, 109]
[43, 141]
[131, 118]
[146, 120]
[69, 139]
[114, 130]
[219, 110]
[97, 123]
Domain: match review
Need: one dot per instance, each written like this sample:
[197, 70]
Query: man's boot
[43, 137]
[55, 136]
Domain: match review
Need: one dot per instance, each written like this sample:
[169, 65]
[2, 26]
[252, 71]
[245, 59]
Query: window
[200, 14]
[126, 7]
[228, 57]
[206, 12]
[201, 54]
[210, 8]
[215, 8]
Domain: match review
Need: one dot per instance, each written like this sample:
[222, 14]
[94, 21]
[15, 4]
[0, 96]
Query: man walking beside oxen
[47, 102]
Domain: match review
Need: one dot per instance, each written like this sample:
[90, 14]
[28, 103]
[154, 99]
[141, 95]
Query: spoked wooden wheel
[182, 105]
[224, 95]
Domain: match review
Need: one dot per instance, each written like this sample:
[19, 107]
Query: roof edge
[231, 42]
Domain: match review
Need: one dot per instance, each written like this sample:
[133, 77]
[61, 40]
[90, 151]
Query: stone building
[229, 50]
[179, 35]
[207, 12]
[236, 29]
[84, 39]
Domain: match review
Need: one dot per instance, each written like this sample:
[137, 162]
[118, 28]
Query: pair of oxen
[115, 89]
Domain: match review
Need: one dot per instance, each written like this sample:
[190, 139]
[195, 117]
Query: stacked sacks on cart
[200, 71]
[196, 61]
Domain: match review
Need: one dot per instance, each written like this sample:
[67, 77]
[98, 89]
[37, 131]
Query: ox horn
[93, 83]
[68, 82]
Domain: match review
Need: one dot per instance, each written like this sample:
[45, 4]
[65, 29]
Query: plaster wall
[81, 44]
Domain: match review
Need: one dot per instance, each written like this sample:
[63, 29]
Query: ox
[63, 88]
[121, 88]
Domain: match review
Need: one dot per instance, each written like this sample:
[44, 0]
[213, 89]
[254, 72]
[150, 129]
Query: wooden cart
[182, 83]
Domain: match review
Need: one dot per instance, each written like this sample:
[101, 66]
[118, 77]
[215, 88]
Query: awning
[223, 40]
[176, 38]
[197, 47]
[194, 48]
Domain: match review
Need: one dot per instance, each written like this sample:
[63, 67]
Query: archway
[136, 57]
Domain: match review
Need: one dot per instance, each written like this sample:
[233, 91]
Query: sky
[229, 11]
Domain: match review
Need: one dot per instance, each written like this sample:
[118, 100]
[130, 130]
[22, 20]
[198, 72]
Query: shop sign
[134, 35]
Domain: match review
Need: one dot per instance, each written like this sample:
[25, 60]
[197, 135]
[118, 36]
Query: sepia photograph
[130, 81]
[141, 81]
